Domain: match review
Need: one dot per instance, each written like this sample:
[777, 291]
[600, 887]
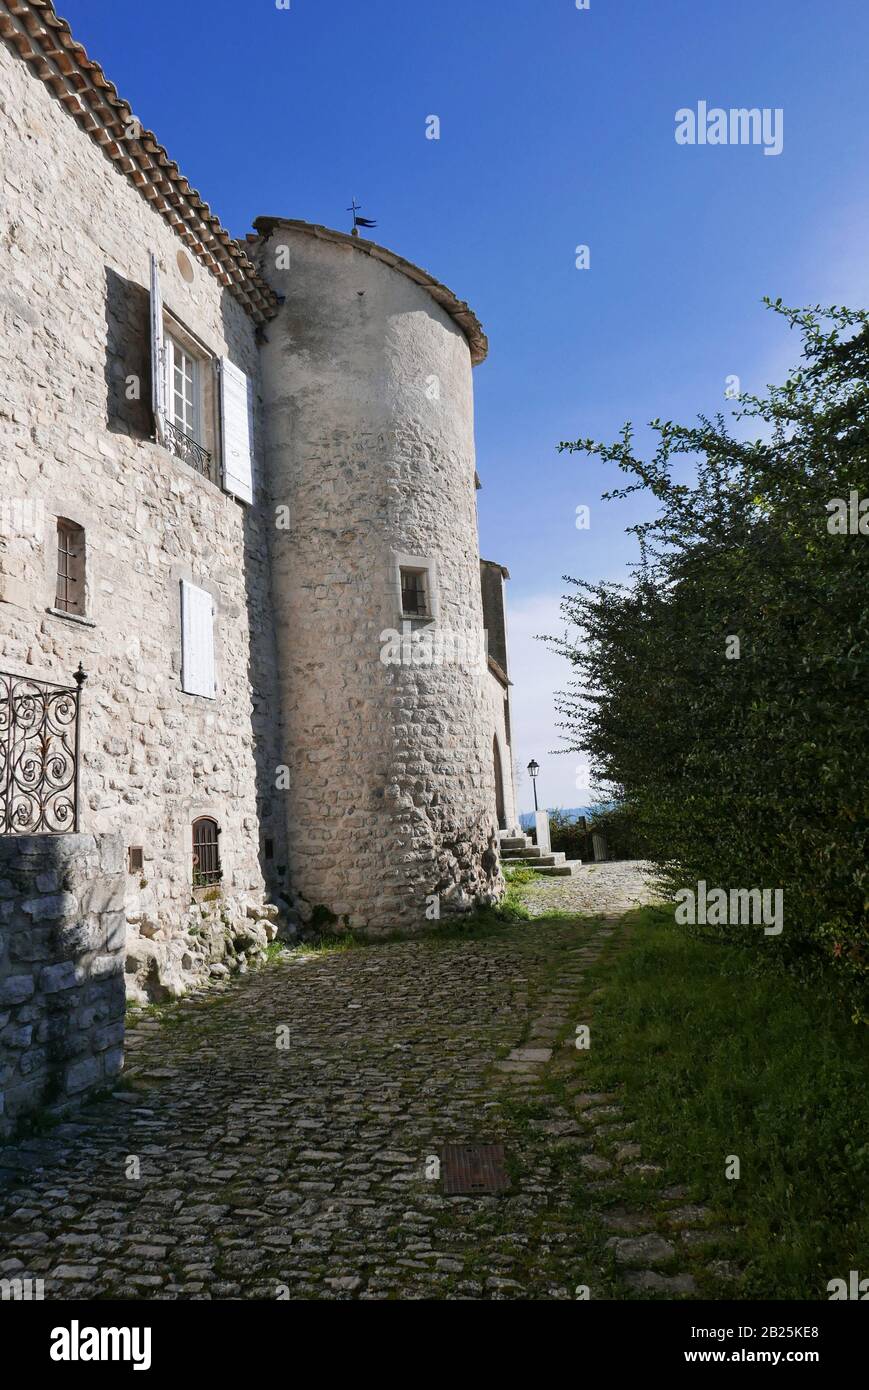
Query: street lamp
[533, 770]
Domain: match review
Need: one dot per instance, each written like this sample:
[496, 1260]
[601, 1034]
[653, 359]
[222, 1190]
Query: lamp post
[533, 770]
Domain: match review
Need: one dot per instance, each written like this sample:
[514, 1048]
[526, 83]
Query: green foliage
[748, 772]
[511, 908]
[712, 1062]
[624, 835]
[327, 944]
[518, 876]
[568, 835]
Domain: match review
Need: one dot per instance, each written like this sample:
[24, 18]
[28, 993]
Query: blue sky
[557, 129]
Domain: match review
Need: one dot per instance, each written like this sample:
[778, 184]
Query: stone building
[239, 490]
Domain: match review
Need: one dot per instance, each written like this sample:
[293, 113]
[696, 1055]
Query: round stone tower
[386, 728]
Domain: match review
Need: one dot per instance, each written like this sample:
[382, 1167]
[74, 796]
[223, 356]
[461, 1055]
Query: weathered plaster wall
[492, 577]
[74, 269]
[498, 709]
[369, 410]
[62, 946]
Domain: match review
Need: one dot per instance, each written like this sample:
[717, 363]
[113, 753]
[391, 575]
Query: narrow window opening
[414, 593]
[500, 806]
[70, 591]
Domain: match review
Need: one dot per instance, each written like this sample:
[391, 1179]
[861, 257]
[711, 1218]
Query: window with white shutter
[236, 411]
[197, 641]
[182, 387]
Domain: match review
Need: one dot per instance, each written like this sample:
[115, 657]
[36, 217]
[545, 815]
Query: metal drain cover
[474, 1169]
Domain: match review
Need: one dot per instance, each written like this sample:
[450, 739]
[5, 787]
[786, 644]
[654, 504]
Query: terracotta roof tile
[458, 310]
[44, 41]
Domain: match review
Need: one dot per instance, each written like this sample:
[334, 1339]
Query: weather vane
[358, 221]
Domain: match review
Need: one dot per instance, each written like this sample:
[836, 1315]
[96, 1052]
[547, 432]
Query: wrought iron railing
[39, 755]
[187, 449]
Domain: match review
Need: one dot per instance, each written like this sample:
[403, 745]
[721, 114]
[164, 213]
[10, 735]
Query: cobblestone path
[226, 1166]
[612, 888]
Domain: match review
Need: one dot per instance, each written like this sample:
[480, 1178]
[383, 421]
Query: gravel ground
[609, 888]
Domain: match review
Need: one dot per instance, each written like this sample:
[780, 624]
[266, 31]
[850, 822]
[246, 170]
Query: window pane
[184, 378]
[413, 595]
[206, 855]
[69, 595]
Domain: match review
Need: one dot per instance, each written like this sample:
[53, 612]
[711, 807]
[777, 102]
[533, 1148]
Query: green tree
[724, 690]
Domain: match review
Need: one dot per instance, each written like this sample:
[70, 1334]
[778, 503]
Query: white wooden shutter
[158, 354]
[197, 641]
[236, 413]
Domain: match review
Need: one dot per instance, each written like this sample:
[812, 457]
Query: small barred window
[206, 853]
[414, 594]
[70, 592]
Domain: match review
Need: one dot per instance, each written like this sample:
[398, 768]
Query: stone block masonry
[75, 246]
[62, 948]
[368, 403]
[227, 472]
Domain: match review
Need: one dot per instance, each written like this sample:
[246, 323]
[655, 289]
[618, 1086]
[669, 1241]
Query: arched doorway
[499, 786]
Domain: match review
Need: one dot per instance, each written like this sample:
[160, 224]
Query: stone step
[559, 870]
[527, 852]
[541, 861]
[513, 842]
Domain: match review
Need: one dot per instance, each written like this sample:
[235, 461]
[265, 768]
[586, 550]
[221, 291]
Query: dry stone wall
[62, 949]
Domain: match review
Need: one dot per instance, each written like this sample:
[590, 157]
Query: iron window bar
[207, 870]
[68, 576]
[413, 594]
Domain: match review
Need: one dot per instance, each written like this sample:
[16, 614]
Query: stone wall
[369, 417]
[492, 577]
[75, 241]
[62, 949]
[363, 408]
[498, 697]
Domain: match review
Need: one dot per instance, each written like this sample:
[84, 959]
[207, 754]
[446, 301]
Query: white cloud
[537, 674]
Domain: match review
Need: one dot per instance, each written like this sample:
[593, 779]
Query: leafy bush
[746, 764]
[624, 834]
[568, 835]
[616, 821]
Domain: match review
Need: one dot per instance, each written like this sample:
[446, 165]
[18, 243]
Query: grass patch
[327, 944]
[714, 1060]
[518, 876]
[512, 908]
